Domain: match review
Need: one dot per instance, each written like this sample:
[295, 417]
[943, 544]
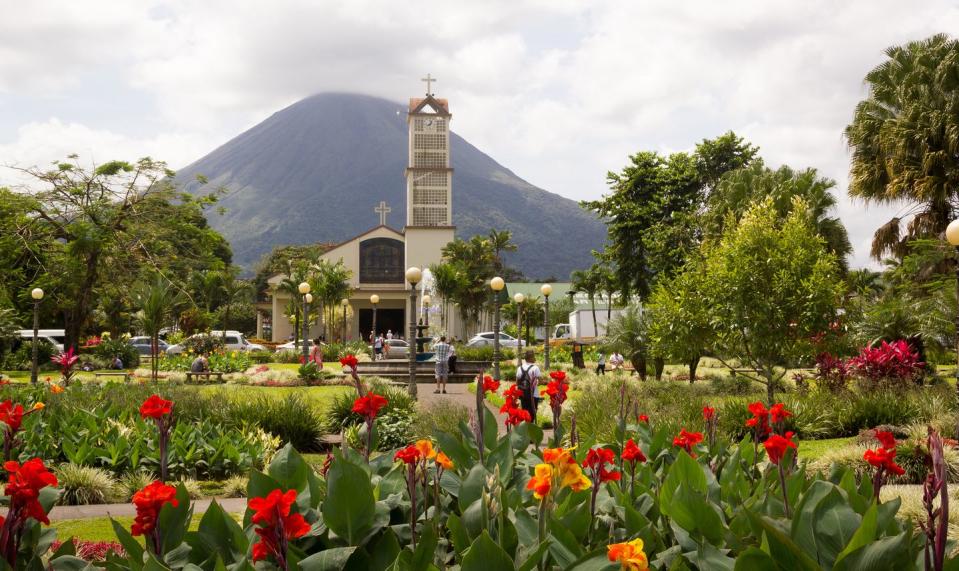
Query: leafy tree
[235, 292]
[628, 333]
[156, 301]
[904, 137]
[679, 324]
[651, 211]
[769, 285]
[500, 241]
[738, 190]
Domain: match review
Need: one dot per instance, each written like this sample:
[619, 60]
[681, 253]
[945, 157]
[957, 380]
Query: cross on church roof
[382, 210]
[429, 79]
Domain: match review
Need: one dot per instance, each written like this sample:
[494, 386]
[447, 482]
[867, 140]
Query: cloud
[558, 91]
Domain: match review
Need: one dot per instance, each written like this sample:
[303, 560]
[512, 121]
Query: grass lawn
[321, 397]
[815, 449]
[100, 529]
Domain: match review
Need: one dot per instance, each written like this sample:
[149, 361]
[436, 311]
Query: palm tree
[447, 284]
[904, 137]
[156, 301]
[587, 282]
[500, 241]
[234, 291]
[628, 333]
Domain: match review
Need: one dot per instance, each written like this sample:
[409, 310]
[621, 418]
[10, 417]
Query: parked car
[232, 341]
[396, 349]
[142, 344]
[485, 339]
[295, 346]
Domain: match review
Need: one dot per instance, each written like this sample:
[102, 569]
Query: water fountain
[427, 286]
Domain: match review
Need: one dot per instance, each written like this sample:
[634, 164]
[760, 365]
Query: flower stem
[542, 528]
[782, 483]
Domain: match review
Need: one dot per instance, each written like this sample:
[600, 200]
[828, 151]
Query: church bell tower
[429, 173]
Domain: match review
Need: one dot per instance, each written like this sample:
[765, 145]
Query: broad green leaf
[502, 456]
[490, 429]
[709, 557]
[835, 525]
[472, 487]
[694, 513]
[684, 470]
[865, 534]
[174, 521]
[485, 555]
[458, 535]
[70, 563]
[533, 558]
[454, 448]
[886, 554]
[783, 549]
[349, 508]
[328, 560]
[219, 533]
[384, 552]
[289, 469]
[803, 522]
[754, 559]
[425, 548]
[133, 548]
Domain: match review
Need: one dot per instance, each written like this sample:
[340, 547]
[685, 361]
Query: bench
[190, 376]
[126, 376]
[745, 370]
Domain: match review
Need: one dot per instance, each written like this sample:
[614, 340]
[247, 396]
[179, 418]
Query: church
[378, 258]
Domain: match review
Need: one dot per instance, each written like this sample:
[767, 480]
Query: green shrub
[442, 416]
[22, 358]
[287, 356]
[292, 419]
[235, 486]
[340, 413]
[910, 455]
[727, 385]
[395, 429]
[132, 482]
[83, 485]
[260, 357]
[108, 348]
[204, 343]
[485, 353]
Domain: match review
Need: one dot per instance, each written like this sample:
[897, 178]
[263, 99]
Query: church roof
[358, 236]
[442, 106]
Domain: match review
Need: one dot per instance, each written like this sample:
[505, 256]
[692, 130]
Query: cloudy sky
[559, 91]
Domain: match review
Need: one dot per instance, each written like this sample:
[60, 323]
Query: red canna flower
[490, 385]
[155, 407]
[885, 459]
[369, 405]
[558, 375]
[149, 501]
[709, 413]
[632, 452]
[349, 361]
[760, 420]
[513, 392]
[778, 413]
[24, 485]
[644, 419]
[11, 414]
[557, 389]
[276, 525]
[777, 445]
[595, 463]
[516, 415]
[409, 455]
[886, 439]
[687, 440]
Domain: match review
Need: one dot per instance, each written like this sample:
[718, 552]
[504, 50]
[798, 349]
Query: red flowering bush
[687, 440]
[832, 372]
[276, 525]
[894, 362]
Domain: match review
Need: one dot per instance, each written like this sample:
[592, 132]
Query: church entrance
[386, 320]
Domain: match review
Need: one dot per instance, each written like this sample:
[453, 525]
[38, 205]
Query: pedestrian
[452, 359]
[527, 379]
[616, 361]
[378, 347]
[389, 334]
[200, 364]
[601, 364]
[316, 353]
[442, 352]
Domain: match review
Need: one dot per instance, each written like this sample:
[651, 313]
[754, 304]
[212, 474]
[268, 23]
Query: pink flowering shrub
[832, 372]
[894, 362]
[93, 550]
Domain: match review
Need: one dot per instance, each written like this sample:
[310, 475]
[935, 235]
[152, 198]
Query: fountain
[427, 286]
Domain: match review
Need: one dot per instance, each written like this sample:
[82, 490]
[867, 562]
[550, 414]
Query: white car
[486, 340]
[295, 346]
[232, 341]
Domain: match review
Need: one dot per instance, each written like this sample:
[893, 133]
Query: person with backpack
[527, 379]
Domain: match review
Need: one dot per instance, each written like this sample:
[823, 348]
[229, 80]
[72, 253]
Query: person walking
[601, 364]
[316, 353]
[527, 379]
[442, 351]
[452, 359]
[378, 347]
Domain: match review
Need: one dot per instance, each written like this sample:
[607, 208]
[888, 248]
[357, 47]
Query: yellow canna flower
[39, 406]
[629, 554]
[444, 461]
[425, 448]
[542, 481]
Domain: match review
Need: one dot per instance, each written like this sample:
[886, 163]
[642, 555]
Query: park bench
[126, 376]
[190, 376]
[744, 370]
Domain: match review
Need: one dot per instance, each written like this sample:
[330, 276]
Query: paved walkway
[59, 513]
[457, 393]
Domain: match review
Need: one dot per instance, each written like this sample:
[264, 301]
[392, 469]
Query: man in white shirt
[527, 380]
[616, 361]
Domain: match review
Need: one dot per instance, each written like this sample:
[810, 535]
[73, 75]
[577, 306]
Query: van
[55, 337]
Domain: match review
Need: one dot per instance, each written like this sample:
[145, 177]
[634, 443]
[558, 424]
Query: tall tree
[156, 301]
[587, 282]
[500, 241]
[904, 138]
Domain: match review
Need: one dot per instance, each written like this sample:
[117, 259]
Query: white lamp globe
[519, 298]
[497, 284]
[952, 232]
[546, 289]
[414, 275]
[37, 294]
[304, 288]
[344, 302]
[427, 299]
[309, 298]
[374, 299]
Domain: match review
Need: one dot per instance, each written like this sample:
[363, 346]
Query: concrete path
[60, 513]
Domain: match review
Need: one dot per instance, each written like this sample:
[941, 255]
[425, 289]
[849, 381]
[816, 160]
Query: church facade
[378, 258]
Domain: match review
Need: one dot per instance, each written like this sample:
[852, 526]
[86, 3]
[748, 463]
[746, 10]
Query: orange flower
[444, 461]
[630, 555]
[541, 482]
[425, 448]
[566, 472]
[56, 389]
[39, 406]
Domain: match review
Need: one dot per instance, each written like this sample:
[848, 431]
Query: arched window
[381, 261]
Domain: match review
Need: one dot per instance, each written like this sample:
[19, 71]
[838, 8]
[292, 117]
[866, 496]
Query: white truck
[580, 326]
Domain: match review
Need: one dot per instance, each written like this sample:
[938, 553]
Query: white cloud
[559, 92]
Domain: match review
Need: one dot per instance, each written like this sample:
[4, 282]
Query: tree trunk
[659, 364]
[693, 365]
[770, 388]
[639, 363]
[72, 327]
[592, 305]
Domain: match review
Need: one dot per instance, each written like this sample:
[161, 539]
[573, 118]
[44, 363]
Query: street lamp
[426, 310]
[374, 299]
[413, 276]
[519, 298]
[304, 289]
[37, 295]
[345, 303]
[496, 284]
[546, 290]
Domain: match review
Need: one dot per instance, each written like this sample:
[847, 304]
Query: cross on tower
[382, 210]
[429, 79]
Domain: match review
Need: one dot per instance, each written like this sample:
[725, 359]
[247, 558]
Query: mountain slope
[314, 171]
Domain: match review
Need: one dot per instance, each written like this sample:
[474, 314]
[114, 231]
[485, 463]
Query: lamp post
[952, 235]
[426, 310]
[374, 299]
[546, 289]
[413, 276]
[37, 295]
[304, 289]
[345, 303]
[496, 284]
[519, 298]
